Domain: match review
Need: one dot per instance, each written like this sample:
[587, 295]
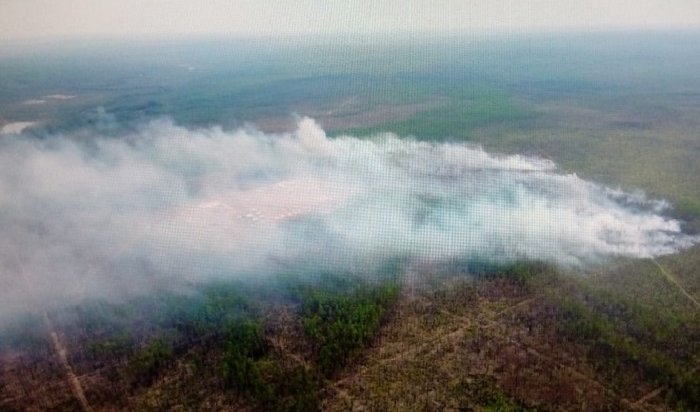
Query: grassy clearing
[456, 120]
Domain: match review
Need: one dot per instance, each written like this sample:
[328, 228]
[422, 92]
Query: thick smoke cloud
[90, 216]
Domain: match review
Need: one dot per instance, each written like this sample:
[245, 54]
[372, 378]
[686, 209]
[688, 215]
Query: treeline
[339, 321]
[342, 323]
[252, 370]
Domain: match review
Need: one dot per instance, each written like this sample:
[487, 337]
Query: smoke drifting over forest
[90, 216]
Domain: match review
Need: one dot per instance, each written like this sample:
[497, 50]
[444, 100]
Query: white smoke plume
[85, 215]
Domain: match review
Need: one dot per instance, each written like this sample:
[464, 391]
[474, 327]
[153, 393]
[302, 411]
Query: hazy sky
[22, 19]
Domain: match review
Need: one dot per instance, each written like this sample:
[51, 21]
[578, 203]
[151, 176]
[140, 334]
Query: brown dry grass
[449, 344]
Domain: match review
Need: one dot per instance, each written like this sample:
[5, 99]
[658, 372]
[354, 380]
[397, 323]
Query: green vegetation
[117, 346]
[245, 344]
[342, 323]
[622, 336]
[274, 383]
[459, 119]
[623, 111]
[689, 210]
[523, 271]
[498, 402]
[222, 325]
[339, 318]
[147, 362]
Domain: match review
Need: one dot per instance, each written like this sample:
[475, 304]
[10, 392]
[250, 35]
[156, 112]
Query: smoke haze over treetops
[89, 216]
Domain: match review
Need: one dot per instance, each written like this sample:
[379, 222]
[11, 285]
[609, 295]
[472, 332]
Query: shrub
[147, 362]
[341, 324]
[245, 343]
